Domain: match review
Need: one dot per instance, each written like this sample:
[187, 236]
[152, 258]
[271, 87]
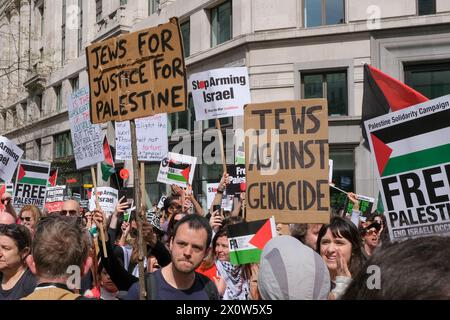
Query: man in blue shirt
[179, 280]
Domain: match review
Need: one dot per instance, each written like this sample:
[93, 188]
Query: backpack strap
[150, 286]
[209, 287]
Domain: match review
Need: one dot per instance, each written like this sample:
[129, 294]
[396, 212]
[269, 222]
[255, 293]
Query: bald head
[71, 208]
[6, 218]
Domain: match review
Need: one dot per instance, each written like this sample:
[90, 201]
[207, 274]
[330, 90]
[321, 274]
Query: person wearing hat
[370, 234]
[290, 270]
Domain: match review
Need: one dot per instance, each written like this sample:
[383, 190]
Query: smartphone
[216, 207]
[127, 193]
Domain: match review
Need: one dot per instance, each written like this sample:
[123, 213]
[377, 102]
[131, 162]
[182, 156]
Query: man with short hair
[6, 218]
[179, 280]
[71, 208]
[59, 253]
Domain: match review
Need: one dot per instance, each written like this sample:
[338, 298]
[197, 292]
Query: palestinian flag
[179, 171]
[247, 240]
[52, 178]
[418, 143]
[33, 174]
[384, 94]
[107, 165]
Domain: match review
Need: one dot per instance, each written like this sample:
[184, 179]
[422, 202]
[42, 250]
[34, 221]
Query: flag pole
[222, 154]
[97, 205]
[139, 209]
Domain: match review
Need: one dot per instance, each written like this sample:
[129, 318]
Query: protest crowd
[280, 239]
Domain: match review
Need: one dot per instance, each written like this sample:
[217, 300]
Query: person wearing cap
[290, 270]
[370, 234]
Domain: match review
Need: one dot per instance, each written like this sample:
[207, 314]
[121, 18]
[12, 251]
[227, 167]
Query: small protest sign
[31, 184]
[237, 176]
[86, 137]
[9, 158]
[138, 74]
[220, 93]
[211, 190]
[151, 136]
[365, 205]
[246, 240]
[161, 202]
[107, 198]
[55, 198]
[286, 155]
[411, 149]
[177, 169]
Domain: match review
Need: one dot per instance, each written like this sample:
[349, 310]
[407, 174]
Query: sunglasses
[68, 212]
[27, 219]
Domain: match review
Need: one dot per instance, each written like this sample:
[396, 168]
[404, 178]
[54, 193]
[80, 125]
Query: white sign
[151, 135]
[227, 202]
[86, 138]
[31, 183]
[220, 93]
[211, 189]
[107, 198]
[161, 202]
[411, 149]
[177, 169]
[330, 170]
[9, 158]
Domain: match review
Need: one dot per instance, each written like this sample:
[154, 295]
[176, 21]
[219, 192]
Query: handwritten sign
[86, 137]
[286, 159]
[151, 135]
[138, 74]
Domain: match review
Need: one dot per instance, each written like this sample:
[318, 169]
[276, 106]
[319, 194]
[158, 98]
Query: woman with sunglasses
[16, 280]
[29, 216]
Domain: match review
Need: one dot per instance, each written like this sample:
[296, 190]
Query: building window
[186, 35]
[329, 85]
[63, 33]
[184, 119]
[58, 98]
[39, 105]
[221, 23]
[63, 145]
[98, 10]
[343, 175]
[41, 19]
[154, 189]
[80, 28]
[75, 83]
[123, 2]
[430, 79]
[153, 6]
[323, 12]
[425, 7]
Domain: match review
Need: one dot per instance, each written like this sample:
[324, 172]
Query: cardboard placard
[138, 74]
[86, 137]
[411, 149]
[237, 176]
[220, 93]
[151, 136]
[107, 198]
[286, 156]
[31, 184]
[10, 155]
[177, 169]
[55, 198]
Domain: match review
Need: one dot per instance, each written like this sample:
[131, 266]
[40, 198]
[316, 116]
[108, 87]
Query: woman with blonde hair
[29, 216]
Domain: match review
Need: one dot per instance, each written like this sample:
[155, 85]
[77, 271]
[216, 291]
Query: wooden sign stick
[222, 153]
[97, 205]
[139, 210]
